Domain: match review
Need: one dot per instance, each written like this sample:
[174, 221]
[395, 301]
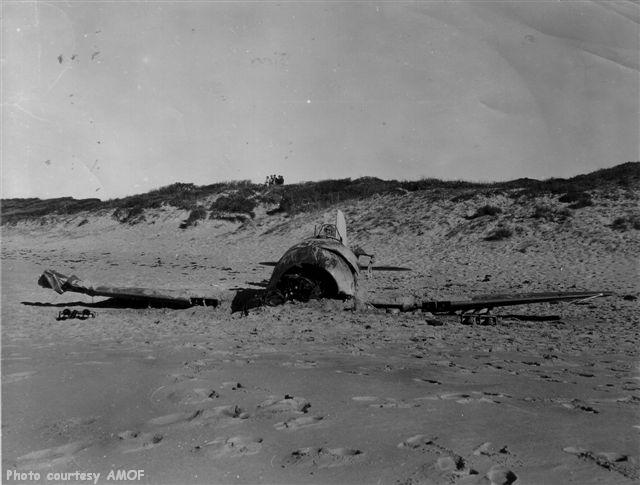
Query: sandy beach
[315, 392]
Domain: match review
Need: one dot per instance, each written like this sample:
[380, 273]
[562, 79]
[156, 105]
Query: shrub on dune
[485, 210]
[577, 199]
[625, 223]
[498, 234]
[197, 214]
[236, 203]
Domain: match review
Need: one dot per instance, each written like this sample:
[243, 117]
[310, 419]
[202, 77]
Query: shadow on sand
[244, 300]
[247, 298]
[113, 303]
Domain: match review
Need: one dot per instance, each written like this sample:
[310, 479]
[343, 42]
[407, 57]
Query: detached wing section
[492, 301]
[489, 301]
[61, 283]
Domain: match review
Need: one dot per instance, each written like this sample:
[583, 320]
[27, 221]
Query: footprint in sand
[233, 447]
[322, 457]
[198, 395]
[447, 466]
[391, 403]
[219, 415]
[466, 398]
[429, 445]
[17, 376]
[184, 417]
[628, 399]
[240, 362]
[71, 428]
[297, 423]
[417, 441]
[489, 449]
[352, 372]
[460, 397]
[548, 378]
[182, 377]
[233, 385]
[50, 457]
[499, 455]
[184, 393]
[388, 402]
[133, 441]
[500, 475]
[576, 404]
[301, 364]
[222, 415]
[365, 398]
[197, 366]
[621, 463]
[427, 381]
[493, 397]
[275, 404]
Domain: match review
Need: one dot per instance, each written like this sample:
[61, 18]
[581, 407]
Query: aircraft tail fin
[341, 227]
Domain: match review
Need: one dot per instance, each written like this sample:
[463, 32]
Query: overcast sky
[106, 99]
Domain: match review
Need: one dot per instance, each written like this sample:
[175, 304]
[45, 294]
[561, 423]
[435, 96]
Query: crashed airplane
[322, 266]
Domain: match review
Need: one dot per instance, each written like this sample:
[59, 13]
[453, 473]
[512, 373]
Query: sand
[315, 392]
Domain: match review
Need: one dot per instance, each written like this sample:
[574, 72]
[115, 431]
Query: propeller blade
[386, 268]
